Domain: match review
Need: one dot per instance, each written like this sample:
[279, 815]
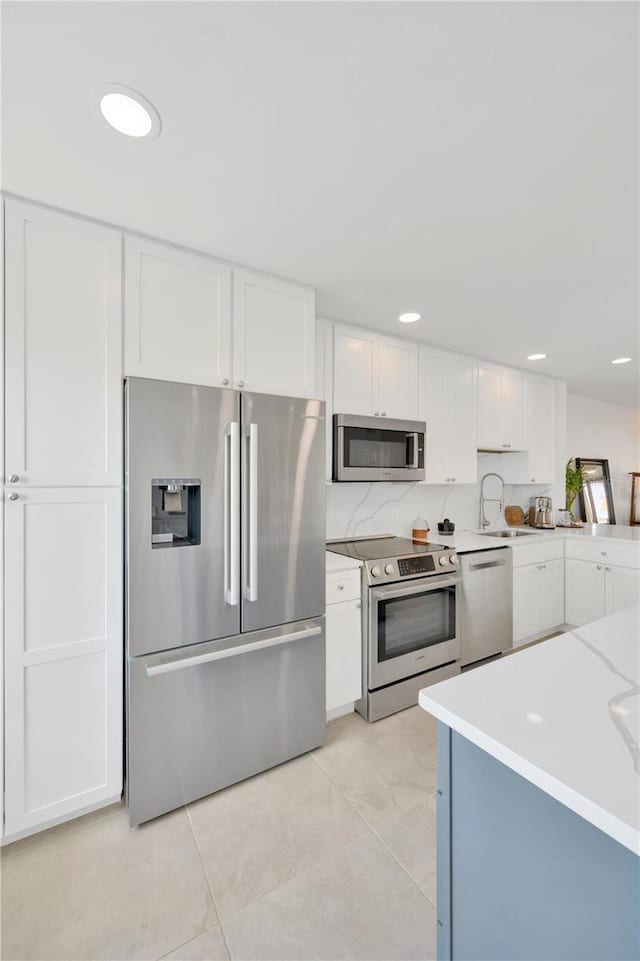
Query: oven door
[412, 628]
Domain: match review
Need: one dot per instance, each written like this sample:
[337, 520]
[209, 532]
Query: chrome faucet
[490, 500]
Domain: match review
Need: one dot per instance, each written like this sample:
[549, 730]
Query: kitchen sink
[507, 533]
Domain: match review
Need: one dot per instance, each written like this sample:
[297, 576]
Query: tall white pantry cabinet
[63, 517]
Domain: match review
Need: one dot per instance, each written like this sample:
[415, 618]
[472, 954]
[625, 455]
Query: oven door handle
[388, 593]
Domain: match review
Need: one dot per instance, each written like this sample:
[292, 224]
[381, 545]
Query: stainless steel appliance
[486, 604]
[410, 619]
[225, 592]
[541, 512]
[372, 449]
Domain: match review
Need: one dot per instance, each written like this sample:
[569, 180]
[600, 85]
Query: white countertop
[338, 562]
[565, 715]
[465, 541]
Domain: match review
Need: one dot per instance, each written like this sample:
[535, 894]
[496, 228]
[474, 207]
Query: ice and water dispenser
[175, 512]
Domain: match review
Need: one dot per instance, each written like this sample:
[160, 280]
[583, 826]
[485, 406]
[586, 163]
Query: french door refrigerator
[225, 588]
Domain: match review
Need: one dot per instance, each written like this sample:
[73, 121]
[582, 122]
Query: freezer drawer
[209, 715]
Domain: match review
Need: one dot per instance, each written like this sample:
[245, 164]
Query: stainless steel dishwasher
[485, 596]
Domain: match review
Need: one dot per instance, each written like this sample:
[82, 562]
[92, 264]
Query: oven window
[407, 624]
[367, 447]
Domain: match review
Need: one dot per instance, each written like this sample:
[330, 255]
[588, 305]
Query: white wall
[598, 429]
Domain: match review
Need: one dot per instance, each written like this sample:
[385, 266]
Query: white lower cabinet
[621, 588]
[538, 599]
[343, 639]
[63, 654]
[602, 577]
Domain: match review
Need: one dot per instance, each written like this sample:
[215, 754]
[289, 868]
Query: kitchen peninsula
[539, 800]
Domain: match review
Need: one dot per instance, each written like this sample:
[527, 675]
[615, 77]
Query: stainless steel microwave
[371, 449]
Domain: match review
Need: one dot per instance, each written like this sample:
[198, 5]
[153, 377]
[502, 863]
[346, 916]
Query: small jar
[420, 530]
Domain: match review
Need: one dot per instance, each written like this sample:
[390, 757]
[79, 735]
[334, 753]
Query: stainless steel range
[410, 619]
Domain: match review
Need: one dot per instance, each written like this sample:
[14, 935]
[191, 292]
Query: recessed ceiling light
[408, 318]
[621, 360]
[536, 356]
[128, 112]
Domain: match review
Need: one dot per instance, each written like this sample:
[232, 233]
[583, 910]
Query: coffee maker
[541, 513]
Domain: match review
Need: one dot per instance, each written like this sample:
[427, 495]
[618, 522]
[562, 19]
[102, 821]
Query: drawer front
[601, 551]
[343, 586]
[537, 553]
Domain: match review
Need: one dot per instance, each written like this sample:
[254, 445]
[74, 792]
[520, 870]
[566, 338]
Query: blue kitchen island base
[520, 876]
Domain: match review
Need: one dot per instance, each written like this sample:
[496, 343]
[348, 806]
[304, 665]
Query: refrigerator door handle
[251, 515]
[180, 664]
[231, 514]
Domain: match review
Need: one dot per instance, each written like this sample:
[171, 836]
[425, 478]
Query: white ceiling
[477, 162]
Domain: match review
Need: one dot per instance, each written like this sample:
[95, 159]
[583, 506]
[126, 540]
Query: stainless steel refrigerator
[225, 588]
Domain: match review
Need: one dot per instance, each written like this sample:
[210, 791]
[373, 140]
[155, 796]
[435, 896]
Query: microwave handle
[412, 445]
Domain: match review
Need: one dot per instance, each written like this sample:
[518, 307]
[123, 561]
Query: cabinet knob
[240, 383]
[358, 603]
[533, 480]
[603, 553]
[13, 478]
[452, 480]
[607, 568]
[225, 381]
[599, 567]
[383, 413]
[13, 496]
[376, 413]
[340, 587]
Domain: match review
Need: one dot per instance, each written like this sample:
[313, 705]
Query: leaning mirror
[596, 499]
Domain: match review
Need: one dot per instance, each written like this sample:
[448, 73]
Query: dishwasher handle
[195, 661]
[481, 566]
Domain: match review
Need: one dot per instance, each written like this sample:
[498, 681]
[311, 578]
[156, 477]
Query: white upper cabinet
[502, 409]
[541, 432]
[177, 315]
[324, 383]
[63, 349]
[448, 405]
[397, 378]
[273, 335]
[374, 375]
[354, 371]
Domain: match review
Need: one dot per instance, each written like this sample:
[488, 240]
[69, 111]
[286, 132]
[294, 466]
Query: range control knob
[454, 559]
[388, 568]
[375, 571]
[443, 561]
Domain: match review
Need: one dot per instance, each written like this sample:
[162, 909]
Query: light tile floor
[331, 856]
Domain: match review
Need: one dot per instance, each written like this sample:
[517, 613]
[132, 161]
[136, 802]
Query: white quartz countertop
[565, 715]
[465, 541]
[338, 562]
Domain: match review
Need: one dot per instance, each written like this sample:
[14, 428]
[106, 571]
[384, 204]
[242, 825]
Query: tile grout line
[375, 833]
[206, 875]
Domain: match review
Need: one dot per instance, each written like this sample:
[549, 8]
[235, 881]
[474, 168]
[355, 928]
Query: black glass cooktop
[380, 547]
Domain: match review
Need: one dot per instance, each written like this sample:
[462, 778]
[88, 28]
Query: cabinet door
[525, 602]
[63, 349]
[324, 383]
[431, 409]
[490, 417]
[273, 335]
[584, 592]
[177, 315]
[63, 654]
[514, 410]
[460, 404]
[622, 589]
[354, 371]
[397, 376]
[541, 432]
[550, 595]
[344, 653]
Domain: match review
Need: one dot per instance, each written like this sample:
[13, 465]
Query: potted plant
[574, 483]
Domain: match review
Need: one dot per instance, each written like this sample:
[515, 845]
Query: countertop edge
[597, 816]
